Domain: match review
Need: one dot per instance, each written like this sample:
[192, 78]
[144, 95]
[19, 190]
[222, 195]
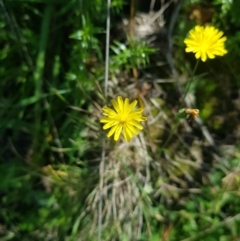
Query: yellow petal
[117, 132]
[132, 129]
[126, 105]
[110, 133]
[122, 117]
[205, 42]
[109, 111]
[131, 106]
[110, 124]
[127, 134]
[134, 123]
[120, 103]
[115, 105]
[105, 120]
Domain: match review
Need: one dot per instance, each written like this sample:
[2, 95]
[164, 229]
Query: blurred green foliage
[133, 55]
[51, 58]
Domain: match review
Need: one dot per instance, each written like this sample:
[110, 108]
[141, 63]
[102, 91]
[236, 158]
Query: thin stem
[170, 136]
[101, 172]
[189, 83]
[107, 49]
[37, 76]
[182, 102]
[131, 20]
[102, 164]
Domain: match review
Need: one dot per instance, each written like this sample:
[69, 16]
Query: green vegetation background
[51, 76]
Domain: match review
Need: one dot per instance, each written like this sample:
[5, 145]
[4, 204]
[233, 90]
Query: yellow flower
[206, 42]
[122, 118]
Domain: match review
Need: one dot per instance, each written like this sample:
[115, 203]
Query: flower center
[204, 46]
[123, 119]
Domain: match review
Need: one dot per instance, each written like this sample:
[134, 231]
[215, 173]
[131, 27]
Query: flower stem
[189, 83]
[182, 102]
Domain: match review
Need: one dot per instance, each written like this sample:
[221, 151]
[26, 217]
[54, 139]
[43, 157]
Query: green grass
[155, 187]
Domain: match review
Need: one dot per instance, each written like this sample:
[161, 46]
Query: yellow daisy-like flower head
[205, 42]
[122, 118]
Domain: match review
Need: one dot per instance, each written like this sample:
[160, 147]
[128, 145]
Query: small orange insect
[191, 114]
